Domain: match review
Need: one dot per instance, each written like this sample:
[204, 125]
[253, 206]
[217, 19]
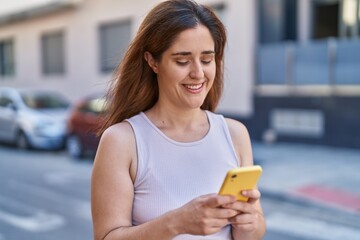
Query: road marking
[39, 222]
[310, 228]
[333, 197]
[9, 202]
[81, 207]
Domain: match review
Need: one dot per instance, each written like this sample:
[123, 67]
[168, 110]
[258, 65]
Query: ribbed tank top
[170, 173]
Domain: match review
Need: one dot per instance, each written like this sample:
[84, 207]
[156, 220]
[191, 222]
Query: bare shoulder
[236, 128]
[241, 141]
[117, 144]
[118, 132]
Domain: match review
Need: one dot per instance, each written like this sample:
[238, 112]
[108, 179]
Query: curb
[284, 197]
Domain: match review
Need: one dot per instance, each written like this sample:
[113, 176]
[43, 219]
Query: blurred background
[292, 76]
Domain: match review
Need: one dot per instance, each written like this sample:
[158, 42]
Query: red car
[82, 126]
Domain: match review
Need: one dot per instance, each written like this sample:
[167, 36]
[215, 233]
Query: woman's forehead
[191, 40]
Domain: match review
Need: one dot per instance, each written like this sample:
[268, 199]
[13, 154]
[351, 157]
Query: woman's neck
[181, 126]
[169, 117]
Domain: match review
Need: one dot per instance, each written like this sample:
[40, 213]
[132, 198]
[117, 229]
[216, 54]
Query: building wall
[308, 85]
[240, 58]
[82, 61]
[82, 48]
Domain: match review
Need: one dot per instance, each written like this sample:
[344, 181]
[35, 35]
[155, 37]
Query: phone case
[239, 179]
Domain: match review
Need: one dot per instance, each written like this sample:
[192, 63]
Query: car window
[5, 101]
[44, 100]
[96, 106]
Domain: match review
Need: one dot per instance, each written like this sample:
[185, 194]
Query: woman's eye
[206, 61]
[182, 63]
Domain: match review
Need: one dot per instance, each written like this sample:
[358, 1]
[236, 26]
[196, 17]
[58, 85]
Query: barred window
[7, 59]
[53, 59]
[114, 40]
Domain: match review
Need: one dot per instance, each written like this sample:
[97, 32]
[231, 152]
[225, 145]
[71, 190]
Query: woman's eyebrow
[208, 52]
[181, 54]
[189, 53]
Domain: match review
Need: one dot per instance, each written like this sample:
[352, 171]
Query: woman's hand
[205, 215]
[249, 214]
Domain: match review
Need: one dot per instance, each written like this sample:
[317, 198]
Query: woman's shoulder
[117, 142]
[238, 131]
[235, 126]
[118, 136]
[118, 131]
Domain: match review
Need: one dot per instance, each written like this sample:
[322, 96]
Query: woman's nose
[197, 71]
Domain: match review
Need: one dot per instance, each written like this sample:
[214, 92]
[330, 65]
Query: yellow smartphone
[239, 179]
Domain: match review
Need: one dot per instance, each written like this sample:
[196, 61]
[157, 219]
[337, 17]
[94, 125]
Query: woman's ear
[151, 61]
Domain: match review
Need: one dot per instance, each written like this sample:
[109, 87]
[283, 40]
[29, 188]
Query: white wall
[82, 48]
[82, 61]
[239, 58]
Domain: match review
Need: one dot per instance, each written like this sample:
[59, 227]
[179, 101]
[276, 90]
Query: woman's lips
[194, 88]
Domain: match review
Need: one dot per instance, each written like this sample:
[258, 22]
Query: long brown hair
[135, 88]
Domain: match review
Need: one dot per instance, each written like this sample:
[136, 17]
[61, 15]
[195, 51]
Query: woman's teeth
[194, 87]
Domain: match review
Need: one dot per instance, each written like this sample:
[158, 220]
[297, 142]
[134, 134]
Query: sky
[8, 6]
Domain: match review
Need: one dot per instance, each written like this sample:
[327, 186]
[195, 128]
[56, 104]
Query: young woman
[163, 152]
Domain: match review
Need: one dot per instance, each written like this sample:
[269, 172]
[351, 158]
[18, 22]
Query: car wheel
[74, 147]
[21, 141]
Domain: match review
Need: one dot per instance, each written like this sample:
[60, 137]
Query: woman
[163, 152]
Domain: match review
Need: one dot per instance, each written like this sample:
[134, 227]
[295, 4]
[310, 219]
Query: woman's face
[187, 69]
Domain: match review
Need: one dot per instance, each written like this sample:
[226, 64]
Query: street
[46, 196]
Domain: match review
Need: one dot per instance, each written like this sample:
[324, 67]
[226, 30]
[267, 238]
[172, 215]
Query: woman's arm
[250, 223]
[112, 190]
[112, 193]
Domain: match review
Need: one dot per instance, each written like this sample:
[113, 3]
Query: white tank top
[171, 173]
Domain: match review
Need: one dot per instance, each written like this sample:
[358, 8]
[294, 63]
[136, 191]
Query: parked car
[84, 121]
[33, 118]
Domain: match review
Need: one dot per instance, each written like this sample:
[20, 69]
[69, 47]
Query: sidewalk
[324, 176]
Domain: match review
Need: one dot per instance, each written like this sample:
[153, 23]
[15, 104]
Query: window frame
[7, 66]
[45, 68]
[103, 60]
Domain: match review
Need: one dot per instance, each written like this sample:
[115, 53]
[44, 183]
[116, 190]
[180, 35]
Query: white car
[33, 118]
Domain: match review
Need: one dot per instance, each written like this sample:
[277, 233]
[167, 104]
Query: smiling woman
[161, 135]
[186, 71]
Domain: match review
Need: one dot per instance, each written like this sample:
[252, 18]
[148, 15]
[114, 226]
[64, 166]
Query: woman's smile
[194, 88]
[186, 71]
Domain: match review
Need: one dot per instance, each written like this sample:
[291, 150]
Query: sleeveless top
[170, 173]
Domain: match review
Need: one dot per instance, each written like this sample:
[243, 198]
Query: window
[325, 19]
[53, 53]
[114, 40]
[95, 106]
[5, 102]
[277, 20]
[350, 18]
[44, 100]
[7, 66]
[319, 62]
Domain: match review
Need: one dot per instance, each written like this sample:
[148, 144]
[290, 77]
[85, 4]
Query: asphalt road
[43, 196]
[46, 196]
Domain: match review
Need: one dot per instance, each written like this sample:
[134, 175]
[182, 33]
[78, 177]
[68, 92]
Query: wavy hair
[135, 87]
